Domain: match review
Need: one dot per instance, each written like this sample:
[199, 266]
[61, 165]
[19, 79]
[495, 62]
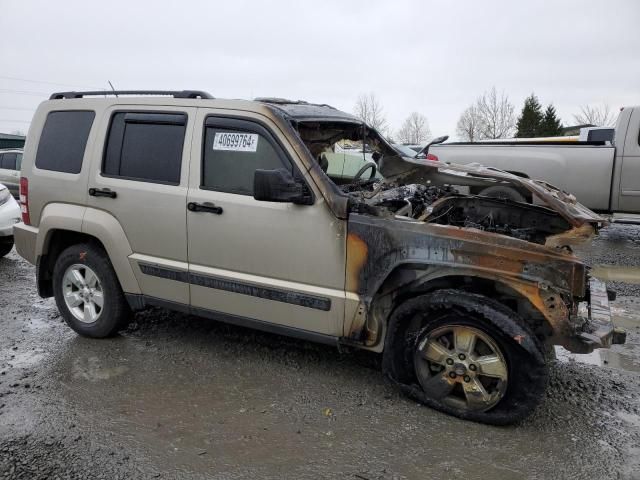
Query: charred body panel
[389, 257]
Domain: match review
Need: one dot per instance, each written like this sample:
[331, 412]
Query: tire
[89, 261]
[502, 192]
[507, 361]
[5, 248]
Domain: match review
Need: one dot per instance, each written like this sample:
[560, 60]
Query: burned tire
[466, 355]
[507, 193]
[88, 293]
[5, 248]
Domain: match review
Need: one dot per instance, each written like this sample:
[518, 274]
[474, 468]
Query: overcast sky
[430, 57]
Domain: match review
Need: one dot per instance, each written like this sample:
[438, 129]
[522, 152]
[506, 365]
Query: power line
[47, 83]
[24, 92]
[17, 108]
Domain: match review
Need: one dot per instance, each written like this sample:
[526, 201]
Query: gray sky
[430, 57]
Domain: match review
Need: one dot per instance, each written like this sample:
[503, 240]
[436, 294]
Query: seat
[323, 162]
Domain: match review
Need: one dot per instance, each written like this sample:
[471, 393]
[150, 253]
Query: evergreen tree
[530, 119]
[551, 125]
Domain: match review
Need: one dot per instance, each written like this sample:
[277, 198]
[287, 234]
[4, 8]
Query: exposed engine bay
[446, 206]
[381, 180]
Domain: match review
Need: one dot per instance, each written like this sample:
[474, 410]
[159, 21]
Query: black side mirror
[436, 140]
[280, 186]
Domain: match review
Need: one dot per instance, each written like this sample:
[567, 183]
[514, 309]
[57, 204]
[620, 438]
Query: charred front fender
[378, 247]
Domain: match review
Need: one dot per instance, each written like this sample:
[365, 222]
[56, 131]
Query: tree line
[491, 116]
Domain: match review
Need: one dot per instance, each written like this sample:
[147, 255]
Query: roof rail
[171, 93]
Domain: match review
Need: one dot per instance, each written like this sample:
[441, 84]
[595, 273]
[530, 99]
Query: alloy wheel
[82, 293]
[462, 367]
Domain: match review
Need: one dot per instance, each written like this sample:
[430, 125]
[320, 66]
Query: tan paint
[106, 228]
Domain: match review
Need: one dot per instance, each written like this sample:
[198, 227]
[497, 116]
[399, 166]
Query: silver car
[9, 216]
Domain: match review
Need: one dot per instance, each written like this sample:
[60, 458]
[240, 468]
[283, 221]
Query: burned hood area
[378, 180]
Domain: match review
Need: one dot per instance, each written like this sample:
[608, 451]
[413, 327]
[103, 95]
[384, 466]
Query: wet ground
[182, 397]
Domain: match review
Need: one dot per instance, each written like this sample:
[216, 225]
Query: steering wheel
[364, 168]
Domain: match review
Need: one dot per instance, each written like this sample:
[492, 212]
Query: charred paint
[357, 253]
[376, 246]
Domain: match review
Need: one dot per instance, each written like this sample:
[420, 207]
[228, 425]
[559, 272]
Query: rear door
[141, 179]
[265, 262]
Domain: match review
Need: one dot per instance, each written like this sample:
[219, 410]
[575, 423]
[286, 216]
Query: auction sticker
[236, 142]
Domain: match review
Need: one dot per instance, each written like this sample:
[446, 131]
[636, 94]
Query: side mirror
[280, 186]
[425, 150]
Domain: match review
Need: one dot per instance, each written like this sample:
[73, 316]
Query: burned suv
[299, 219]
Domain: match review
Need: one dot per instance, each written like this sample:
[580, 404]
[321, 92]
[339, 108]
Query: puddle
[611, 273]
[603, 357]
[626, 314]
[92, 370]
[25, 359]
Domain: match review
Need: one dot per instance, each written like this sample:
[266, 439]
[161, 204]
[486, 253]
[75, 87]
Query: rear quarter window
[63, 140]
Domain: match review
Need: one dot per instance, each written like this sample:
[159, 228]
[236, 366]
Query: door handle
[204, 207]
[102, 192]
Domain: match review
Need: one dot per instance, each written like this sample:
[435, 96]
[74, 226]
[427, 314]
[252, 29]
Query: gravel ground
[176, 396]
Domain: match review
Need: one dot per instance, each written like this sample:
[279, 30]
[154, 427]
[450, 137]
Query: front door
[278, 263]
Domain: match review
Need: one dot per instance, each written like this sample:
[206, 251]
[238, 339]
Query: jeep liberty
[242, 211]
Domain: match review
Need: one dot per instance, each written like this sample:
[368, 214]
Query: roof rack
[171, 93]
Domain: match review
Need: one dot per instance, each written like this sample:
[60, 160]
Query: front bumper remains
[596, 329]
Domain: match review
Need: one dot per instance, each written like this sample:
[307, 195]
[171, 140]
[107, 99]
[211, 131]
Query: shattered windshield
[349, 152]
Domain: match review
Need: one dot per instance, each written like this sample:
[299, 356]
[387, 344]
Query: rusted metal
[378, 246]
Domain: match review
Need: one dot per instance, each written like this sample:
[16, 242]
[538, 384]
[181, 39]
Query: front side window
[145, 147]
[63, 140]
[233, 151]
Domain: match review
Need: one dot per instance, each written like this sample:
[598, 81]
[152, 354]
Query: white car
[9, 216]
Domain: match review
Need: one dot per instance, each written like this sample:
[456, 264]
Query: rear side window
[145, 147]
[233, 150]
[8, 161]
[63, 141]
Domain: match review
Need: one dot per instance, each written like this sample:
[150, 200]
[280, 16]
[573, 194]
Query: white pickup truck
[604, 176]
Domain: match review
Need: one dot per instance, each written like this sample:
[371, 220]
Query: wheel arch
[523, 191]
[64, 225]
[543, 310]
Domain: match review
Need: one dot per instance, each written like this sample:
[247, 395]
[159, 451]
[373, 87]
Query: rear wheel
[505, 193]
[88, 293]
[466, 355]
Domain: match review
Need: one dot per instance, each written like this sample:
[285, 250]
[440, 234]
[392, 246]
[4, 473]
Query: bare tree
[491, 116]
[469, 125]
[598, 116]
[369, 110]
[415, 129]
[496, 114]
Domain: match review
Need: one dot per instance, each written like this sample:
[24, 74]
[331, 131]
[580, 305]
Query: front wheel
[466, 355]
[5, 248]
[88, 293]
